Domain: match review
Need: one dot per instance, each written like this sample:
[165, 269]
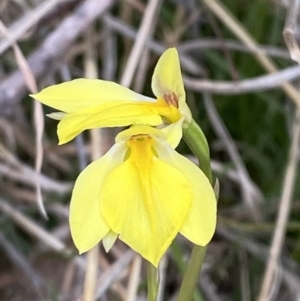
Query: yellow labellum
[145, 193]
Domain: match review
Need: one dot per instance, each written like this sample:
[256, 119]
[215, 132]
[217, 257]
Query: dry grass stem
[250, 197]
[283, 212]
[121, 27]
[143, 33]
[134, 280]
[51, 52]
[91, 71]
[38, 116]
[22, 264]
[228, 19]
[30, 19]
[32, 228]
[110, 275]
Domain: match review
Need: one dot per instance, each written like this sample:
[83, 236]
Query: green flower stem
[192, 273]
[152, 282]
[196, 141]
[177, 255]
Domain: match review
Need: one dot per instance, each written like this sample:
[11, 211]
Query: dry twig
[213, 43]
[258, 84]
[250, 196]
[220, 10]
[46, 59]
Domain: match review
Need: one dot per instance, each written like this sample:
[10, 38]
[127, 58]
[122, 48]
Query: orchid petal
[167, 79]
[200, 223]
[173, 132]
[155, 200]
[56, 115]
[86, 222]
[82, 93]
[108, 240]
[105, 116]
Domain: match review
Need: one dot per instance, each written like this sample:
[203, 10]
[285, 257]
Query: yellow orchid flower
[143, 192]
[94, 103]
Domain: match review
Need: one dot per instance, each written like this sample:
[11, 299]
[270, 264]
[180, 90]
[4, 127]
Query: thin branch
[18, 29]
[221, 11]
[46, 59]
[124, 29]
[220, 128]
[13, 168]
[142, 35]
[214, 43]
[111, 274]
[291, 29]
[22, 264]
[261, 83]
[32, 228]
[90, 70]
[134, 278]
[38, 116]
[26, 175]
[289, 268]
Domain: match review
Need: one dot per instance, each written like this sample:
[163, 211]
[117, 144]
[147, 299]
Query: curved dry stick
[249, 196]
[261, 83]
[212, 43]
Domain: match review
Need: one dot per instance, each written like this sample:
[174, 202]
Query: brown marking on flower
[171, 99]
[139, 137]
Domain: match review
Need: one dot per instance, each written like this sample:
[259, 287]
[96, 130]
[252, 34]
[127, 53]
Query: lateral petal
[153, 207]
[82, 93]
[56, 115]
[86, 222]
[173, 132]
[108, 240]
[200, 223]
[167, 78]
[105, 116]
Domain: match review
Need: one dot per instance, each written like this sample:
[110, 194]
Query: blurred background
[236, 68]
